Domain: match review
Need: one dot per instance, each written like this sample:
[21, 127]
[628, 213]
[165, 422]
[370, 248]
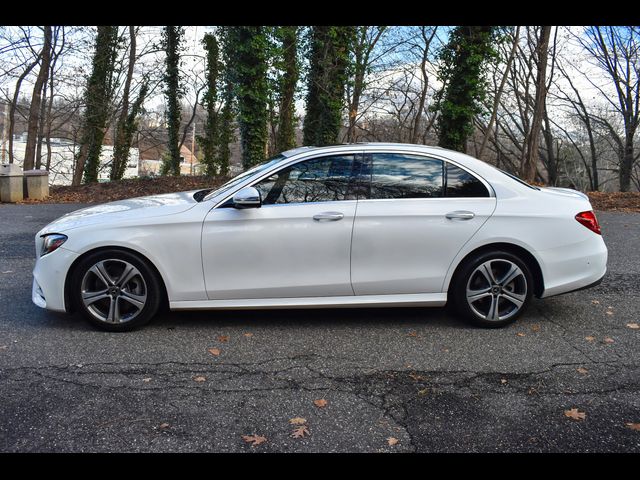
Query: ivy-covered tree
[464, 87]
[209, 141]
[225, 128]
[98, 96]
[247, 67]
[128, 118]
[289, 67]
[171, 44]
[329, 62]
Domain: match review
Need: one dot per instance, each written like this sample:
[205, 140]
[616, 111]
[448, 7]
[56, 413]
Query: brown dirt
[138, 187]
[615, 201]
[128, 188]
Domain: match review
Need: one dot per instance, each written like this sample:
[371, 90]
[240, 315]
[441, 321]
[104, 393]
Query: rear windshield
[519, 180]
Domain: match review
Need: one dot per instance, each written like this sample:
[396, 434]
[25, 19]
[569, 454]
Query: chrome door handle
[460, 215]
[328, 216]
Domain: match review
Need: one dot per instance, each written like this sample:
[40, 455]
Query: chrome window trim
[361, 149]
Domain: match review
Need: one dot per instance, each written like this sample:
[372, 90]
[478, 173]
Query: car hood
[122, 210]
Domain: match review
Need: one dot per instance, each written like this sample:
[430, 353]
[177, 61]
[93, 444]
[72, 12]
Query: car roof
[356, 146]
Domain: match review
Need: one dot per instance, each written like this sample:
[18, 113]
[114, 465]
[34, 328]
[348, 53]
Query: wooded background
[553, 105]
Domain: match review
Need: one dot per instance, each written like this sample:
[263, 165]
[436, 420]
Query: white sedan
[342, 226]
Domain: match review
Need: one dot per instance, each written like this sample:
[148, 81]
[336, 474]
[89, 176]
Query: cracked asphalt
[419, 376]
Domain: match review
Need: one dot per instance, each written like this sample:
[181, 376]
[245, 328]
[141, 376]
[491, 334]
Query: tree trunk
[626, 165]
[425, 84]
[41, 125]
[120, 147]
[496, 101]
[531, 159]
[14, 104]
[286, 138]
[34, 109]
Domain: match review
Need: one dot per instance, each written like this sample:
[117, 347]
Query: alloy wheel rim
[496, 290]
[114, 291]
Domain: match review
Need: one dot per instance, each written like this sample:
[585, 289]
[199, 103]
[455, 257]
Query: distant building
[189, 164]
[63, 153]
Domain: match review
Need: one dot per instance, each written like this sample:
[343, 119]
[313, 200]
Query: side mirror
[247, 197]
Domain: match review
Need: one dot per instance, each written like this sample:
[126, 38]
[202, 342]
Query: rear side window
[396, 175]
[461, 183]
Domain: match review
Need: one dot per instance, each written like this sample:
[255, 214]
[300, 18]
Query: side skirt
[409, 300]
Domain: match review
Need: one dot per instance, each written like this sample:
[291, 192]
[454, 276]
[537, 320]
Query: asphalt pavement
[363, 380]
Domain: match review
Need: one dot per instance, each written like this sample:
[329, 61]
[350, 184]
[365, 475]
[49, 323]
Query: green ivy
[329, 64]
[171, 43]
[247, 48]
[463, 93]
[289, 67]
[98, 96]
[209, 141]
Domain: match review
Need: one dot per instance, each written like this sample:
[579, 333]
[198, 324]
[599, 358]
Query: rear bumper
[574, 267]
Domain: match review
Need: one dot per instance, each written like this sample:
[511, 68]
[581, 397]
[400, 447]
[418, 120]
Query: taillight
[589, 220]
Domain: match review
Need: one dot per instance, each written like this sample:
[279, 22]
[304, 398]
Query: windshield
[244, 175]
[519, 180]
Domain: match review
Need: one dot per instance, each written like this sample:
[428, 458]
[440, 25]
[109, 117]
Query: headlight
[51, 242]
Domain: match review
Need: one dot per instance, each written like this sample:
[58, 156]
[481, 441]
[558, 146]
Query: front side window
[323, 179]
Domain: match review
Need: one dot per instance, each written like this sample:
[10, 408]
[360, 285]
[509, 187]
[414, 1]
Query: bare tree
[36, 98]
[615, 51]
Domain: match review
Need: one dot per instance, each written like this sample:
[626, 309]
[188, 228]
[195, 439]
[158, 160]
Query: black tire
[145, 281]
[507, 297]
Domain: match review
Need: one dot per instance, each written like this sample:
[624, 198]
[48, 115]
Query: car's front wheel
[116, 290]
[492, 289]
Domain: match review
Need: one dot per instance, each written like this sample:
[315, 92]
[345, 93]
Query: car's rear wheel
[492, 289]
[116, 290]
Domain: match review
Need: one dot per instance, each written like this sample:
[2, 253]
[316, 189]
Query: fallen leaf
[223, 338]
[200, 379]
[416, 377]
[446, 350]
[146, 380]
[503, 381]
[633, 426]
[413, 334]
[582, 370]
[300, 432]
[424, 391]
[3, 347]
[164, 425]
[298, 421]
[574, 414]
[609, 312]
[520, 334]
[589, 338]
[535, 328]
[214, 351]
[608, 340]
[392, 441]
[254, 440]
[248, 334]
[320, 403]
[633, 326]
[595, 302]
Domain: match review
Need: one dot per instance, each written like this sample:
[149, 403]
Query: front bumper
[49, 276]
